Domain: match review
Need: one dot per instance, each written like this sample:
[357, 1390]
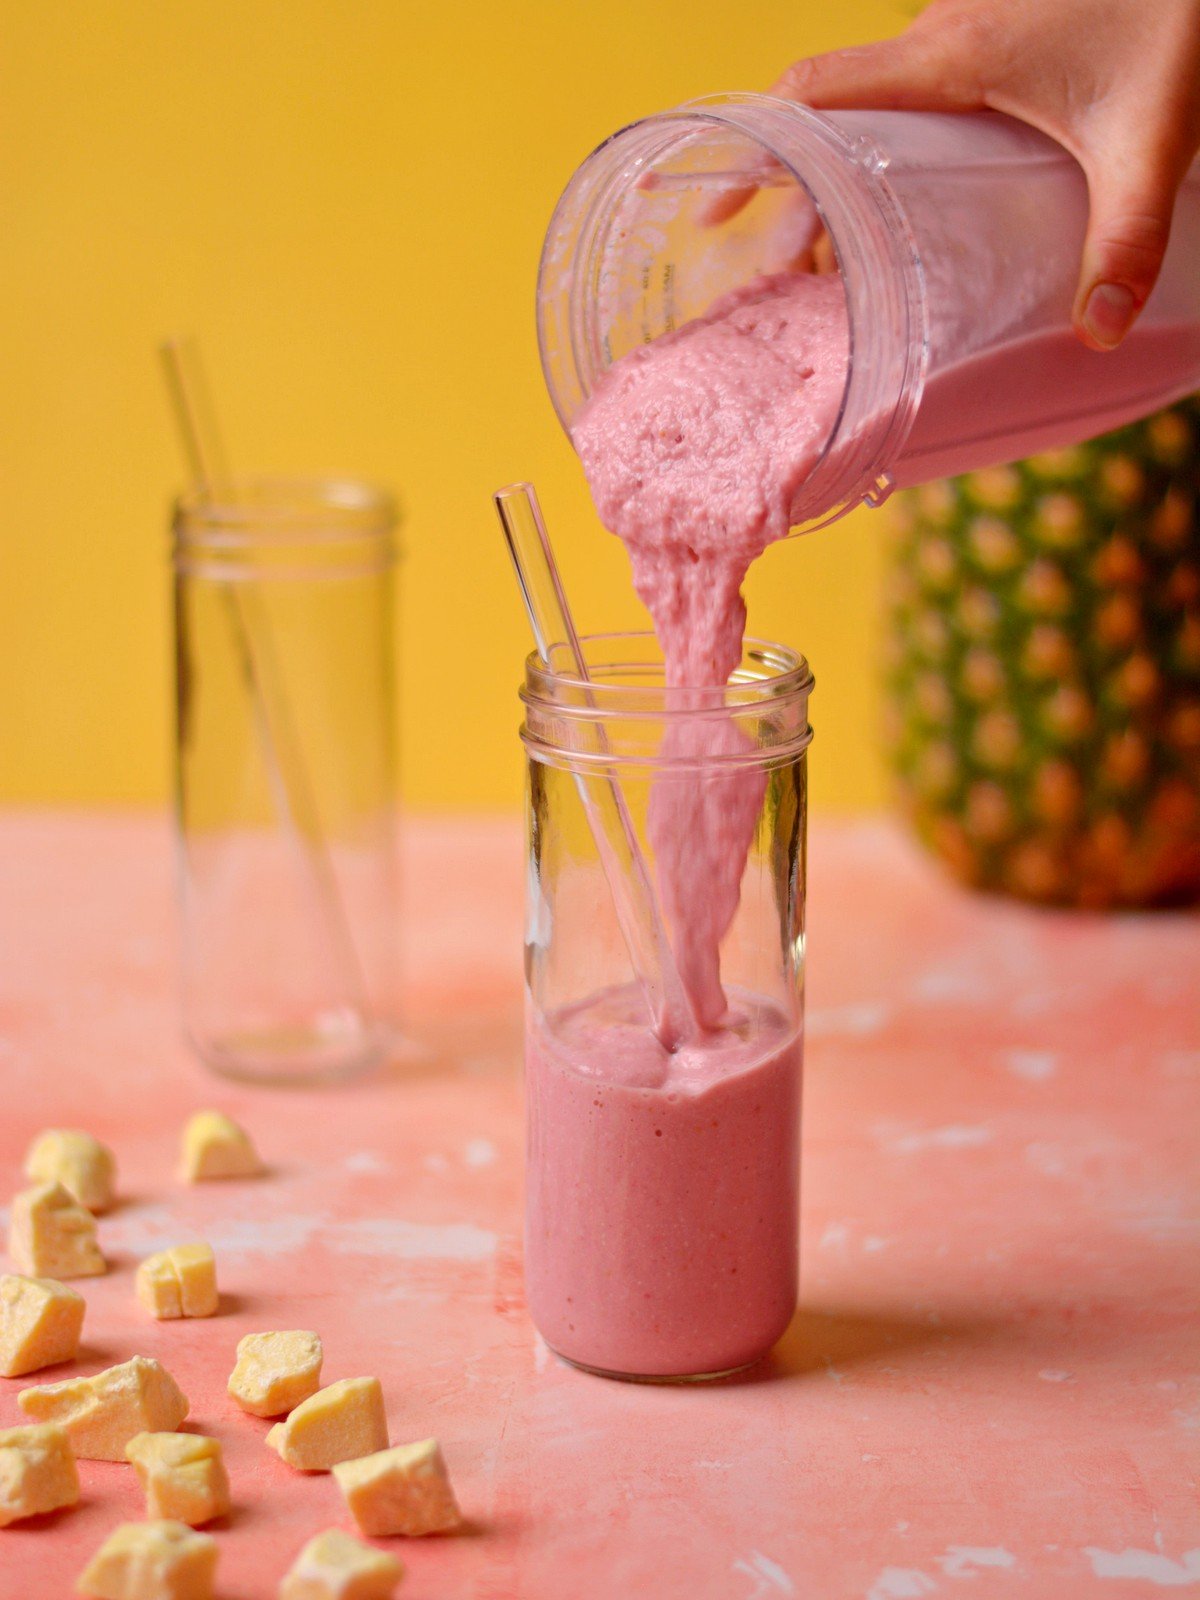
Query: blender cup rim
[845, 180]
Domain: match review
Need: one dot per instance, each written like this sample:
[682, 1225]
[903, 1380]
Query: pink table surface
[992, 1388]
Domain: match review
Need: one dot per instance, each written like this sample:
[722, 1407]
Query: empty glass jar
[285, 776]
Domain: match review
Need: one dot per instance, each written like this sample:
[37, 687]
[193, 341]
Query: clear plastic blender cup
[958, 242]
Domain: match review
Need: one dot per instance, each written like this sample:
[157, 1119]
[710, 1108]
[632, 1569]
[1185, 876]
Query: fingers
[934, 71]
[725, 205]
[1128, 227]
[923, 70]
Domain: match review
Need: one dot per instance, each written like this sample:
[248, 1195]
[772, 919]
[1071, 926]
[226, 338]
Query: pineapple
[1044, 669]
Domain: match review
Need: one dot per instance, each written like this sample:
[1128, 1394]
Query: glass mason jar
[285, 776]
[957, 239]
[662, 1188]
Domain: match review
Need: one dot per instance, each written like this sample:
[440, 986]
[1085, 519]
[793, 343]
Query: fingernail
[1108, 313]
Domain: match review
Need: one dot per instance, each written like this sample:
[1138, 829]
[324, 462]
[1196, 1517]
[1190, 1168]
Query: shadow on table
[464, 1042]
[830, 1340]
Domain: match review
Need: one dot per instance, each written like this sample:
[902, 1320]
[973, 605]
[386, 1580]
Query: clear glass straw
[282, 753]
[634, 900]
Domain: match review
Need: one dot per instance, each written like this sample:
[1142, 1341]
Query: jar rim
[279, 506]
[597, 725]
[787, 673]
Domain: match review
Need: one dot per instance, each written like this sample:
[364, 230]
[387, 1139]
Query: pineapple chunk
[102, 1414]
[86, 1168]
[402, 1490]
[276, 1371]
[215, 1147]
[333, 1566]
[37, 1472]
[52, 1236]
[337, 1423]
[183, 1475]
[40, 1324]
[152, 1561]
[179, 1282]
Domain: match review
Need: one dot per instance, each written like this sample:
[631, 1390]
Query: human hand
[1116, 82]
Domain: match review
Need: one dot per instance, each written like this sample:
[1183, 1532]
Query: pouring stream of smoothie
[662, 1198]
[696, 448]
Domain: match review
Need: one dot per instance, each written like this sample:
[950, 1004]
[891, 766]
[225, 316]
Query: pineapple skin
[1043, 669]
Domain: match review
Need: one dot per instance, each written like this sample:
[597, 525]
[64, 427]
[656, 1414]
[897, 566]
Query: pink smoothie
[696, 447]
[662, 1189]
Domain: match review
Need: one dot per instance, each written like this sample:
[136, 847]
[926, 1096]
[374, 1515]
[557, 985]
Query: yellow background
[344, 201]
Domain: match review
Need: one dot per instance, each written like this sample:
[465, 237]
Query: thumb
[917, 70]
[1129, 223]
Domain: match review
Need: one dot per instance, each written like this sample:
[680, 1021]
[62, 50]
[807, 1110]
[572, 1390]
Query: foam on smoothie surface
[696, 448]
